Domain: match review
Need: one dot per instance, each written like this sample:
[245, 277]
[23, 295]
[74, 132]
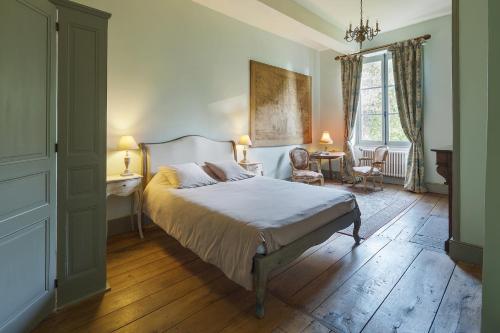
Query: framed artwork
[280, 106]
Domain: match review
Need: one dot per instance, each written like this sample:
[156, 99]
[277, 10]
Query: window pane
[371, 127]
[390, 72]
[371, 101]
[371, 75]
[392, 103]
[396, 132]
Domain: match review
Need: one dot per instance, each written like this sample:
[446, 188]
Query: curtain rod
[425, 37]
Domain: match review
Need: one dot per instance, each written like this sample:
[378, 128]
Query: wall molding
[470, 253]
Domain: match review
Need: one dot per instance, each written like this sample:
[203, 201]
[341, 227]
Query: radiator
[395, 165]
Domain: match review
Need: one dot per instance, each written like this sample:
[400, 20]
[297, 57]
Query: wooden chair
[375, 170]
[301, 167]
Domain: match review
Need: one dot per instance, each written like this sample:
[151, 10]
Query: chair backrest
[299, 158]
[380, 154]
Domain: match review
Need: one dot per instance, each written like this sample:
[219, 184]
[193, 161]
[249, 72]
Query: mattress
[226, 224]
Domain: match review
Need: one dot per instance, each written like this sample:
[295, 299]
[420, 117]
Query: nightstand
[257, 168]
[124, 186]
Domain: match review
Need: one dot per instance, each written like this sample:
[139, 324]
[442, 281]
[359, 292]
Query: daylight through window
[378, 118]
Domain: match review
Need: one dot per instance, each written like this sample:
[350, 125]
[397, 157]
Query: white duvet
[224, 224]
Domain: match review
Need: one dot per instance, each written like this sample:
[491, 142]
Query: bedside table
[257, 168]
[124, 186]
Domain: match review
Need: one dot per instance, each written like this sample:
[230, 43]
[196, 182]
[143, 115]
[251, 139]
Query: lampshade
[127, 142]
[245, 140]
[325, 138]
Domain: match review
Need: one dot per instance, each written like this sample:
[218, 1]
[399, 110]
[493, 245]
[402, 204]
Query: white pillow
[186, 175]
[228, 170]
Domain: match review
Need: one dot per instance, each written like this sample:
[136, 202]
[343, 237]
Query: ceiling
[392, 14]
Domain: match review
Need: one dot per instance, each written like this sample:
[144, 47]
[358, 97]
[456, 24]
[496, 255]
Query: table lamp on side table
[127, 143]
[245, 142]
[326, 140]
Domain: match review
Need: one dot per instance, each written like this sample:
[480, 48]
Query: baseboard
[437, 188]
[470, 253]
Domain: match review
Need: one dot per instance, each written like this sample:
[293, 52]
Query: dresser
[124, 186]
[444, 159]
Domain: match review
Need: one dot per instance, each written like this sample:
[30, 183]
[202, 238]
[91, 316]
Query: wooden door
[27, 162]
[82, 153]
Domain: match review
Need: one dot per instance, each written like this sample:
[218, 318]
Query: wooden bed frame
[195, 148]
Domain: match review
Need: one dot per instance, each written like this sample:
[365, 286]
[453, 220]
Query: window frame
[384, 59]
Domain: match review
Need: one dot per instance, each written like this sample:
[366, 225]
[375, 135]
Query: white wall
[177, 68]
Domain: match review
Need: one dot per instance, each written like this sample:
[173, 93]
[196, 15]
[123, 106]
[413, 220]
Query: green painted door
[27, 162]
[82, 153]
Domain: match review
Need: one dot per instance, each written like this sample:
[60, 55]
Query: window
[378, 118]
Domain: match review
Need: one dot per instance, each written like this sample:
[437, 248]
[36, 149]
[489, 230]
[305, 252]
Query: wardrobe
[53, 64]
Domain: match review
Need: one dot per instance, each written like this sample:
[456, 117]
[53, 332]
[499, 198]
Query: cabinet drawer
[124, 187]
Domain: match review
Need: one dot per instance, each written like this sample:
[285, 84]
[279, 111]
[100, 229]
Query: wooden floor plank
[313, 294]
[460, 309]
[287, 284]
[409, 223]
[149, 270]
[169, 315]
[433, 233]
[303, 256]
[217, 316]
[98, 307]
[353, 304]
[136, 310]
[126, 240]
[277, 315]
[414, 302]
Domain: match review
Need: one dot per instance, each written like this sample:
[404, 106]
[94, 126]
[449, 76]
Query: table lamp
[127, 143]
[326, 140]
[245, 142]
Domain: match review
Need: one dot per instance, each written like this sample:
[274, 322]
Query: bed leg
[355, 234]
[260, 288]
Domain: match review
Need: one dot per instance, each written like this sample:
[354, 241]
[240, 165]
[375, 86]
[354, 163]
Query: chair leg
[353, 180]
[322, 181]
[364, 183]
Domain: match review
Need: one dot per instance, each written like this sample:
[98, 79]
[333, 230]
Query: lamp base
[244, 161]
[126, 173]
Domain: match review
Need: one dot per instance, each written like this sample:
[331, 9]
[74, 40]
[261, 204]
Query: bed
[248, 227]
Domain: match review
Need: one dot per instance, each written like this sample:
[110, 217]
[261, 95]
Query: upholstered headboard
[189, 148]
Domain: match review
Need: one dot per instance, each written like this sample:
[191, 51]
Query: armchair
[302, 165]
[375, 170]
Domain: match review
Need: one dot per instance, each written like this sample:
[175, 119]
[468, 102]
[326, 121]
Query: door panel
[27, 162]
[82, 154]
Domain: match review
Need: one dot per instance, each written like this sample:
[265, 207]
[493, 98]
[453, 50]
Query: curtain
[351, 67]
[407, 60]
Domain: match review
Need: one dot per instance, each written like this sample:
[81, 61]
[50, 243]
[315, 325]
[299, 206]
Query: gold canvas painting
[280, 106]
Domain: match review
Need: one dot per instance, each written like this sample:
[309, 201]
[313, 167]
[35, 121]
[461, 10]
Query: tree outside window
[378, 120]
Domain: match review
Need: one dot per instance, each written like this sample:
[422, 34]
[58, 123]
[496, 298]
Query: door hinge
[57, 26]
[56, 283]
[56, 147]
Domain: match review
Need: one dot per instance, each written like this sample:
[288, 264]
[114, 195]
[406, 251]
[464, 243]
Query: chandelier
[363, 32]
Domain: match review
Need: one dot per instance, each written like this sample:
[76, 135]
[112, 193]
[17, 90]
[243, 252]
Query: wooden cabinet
[444, 162]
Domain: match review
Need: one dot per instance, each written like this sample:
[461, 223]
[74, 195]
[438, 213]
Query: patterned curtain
[407, 60]
[351, 67]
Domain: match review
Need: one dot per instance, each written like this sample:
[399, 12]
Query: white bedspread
[224, 224]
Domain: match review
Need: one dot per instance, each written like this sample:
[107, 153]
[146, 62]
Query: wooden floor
[398, 280]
